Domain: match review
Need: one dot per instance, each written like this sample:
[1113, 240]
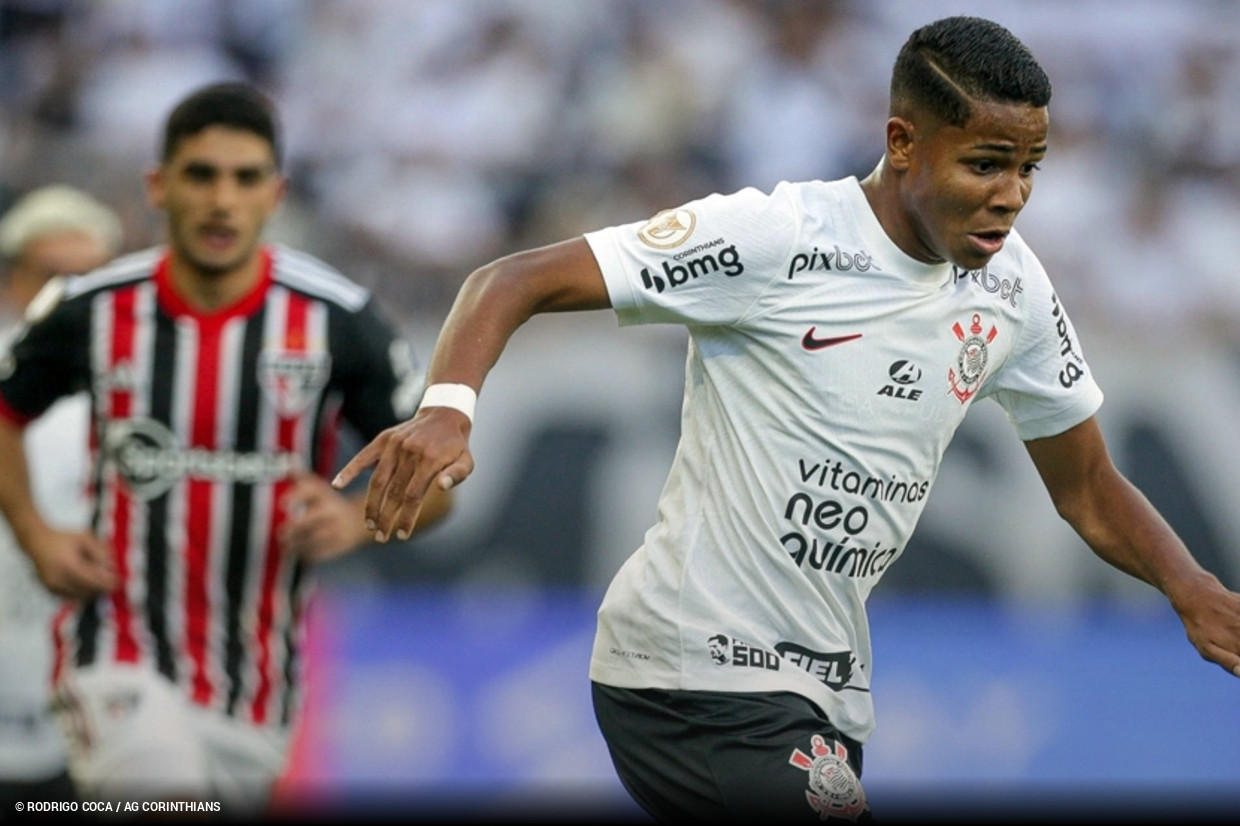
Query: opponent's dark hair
[231, 104]
[945, 65]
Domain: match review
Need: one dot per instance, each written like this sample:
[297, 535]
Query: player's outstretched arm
[321, 523]
[1124, 529]
[433, 446]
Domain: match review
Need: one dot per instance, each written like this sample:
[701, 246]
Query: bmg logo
[727, 261]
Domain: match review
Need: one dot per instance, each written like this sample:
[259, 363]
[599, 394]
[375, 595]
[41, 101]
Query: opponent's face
[60, 252]
[218, 190]
[65, 252]
[964, 186]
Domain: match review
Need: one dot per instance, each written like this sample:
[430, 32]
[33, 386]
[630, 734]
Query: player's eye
[250, 177]
[200, 173]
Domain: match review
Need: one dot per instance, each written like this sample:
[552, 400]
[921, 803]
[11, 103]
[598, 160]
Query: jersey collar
[902, 264]
[175, 304]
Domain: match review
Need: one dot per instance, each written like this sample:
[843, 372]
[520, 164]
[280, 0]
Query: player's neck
[211, 290]
[882, 191]
[880, 188]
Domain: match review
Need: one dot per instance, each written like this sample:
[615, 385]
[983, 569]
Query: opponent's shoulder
[305, 273]
[121, 271]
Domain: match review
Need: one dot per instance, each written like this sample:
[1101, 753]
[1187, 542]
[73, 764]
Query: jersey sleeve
[45, 358]
[377, 370]
[707, 262]
[1046, 386]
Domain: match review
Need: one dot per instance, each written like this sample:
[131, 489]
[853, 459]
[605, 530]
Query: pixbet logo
[836, 259]
[1008, 290]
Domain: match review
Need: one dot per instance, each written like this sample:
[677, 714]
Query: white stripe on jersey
[141, 369]
[124, 268]
[310, 275]
[227, 407]
[178, 522]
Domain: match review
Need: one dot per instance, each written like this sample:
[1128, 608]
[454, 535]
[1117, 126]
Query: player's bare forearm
[70, 564]
[16, 501]
[432, 448]
[1107, 511]
[497, 299]
[1124, 529]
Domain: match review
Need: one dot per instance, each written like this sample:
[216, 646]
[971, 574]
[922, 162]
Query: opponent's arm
[493, 303]
[1121, 526]
[70, 563]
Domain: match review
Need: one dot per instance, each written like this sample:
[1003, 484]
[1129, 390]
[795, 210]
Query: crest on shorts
[834, 788]
[966, 377]
[292, 380]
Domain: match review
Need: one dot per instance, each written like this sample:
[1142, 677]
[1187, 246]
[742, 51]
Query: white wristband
[460, 397]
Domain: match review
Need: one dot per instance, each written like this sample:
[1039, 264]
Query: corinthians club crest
[965, 378]
[834, 789]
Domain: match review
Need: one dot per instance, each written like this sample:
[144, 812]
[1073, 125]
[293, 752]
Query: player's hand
[431, 448]
[1211, 617]
[320, 523]
[72, 564]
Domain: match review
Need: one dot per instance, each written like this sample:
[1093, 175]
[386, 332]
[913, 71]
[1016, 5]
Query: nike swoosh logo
[809, 342]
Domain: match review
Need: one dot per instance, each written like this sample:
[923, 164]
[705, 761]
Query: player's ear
[901, 136]
[153, 181]
[281, 189]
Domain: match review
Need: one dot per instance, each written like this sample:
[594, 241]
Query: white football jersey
[827, 371]
[31, 746]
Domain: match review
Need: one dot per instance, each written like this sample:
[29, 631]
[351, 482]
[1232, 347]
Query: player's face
[218, 190]
[966, 185]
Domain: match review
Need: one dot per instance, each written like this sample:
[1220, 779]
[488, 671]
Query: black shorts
[707, 756]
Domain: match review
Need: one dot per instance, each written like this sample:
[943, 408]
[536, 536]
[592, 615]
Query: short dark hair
[946, 64]
[231, 104]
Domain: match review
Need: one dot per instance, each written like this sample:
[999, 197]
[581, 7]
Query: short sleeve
[706, 262]
[1046, 386]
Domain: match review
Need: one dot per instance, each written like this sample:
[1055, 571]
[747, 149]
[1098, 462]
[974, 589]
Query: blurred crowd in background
[429, 136]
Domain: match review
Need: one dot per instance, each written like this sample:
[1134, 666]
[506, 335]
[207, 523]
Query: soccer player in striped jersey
[220, 368]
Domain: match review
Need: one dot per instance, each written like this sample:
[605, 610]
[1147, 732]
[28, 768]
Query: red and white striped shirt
[198, 421]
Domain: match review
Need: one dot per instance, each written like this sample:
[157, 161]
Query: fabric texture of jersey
[826, 373]
[198, 422]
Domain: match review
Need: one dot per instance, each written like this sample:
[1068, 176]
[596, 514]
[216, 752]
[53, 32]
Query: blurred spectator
[1197, 132]
[53, 231]
[803, 109]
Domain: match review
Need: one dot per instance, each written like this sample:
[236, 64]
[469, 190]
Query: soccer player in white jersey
[54, 230]
[839, 332]
[220, 367]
